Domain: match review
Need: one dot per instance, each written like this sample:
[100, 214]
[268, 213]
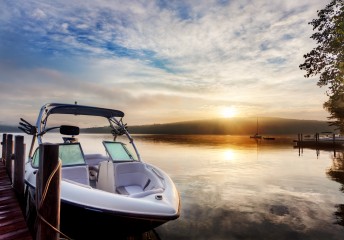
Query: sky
[159, 61]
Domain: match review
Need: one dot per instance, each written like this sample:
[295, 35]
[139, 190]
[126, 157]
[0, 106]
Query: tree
[327, 58]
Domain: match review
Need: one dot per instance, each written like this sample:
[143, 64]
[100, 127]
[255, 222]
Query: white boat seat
[79, 174]
[129, 189]
[135, 180]
[93, 160]
[105, 177]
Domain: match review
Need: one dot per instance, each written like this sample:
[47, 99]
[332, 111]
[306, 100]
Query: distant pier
[320, 141]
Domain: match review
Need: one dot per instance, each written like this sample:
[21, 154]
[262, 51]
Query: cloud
[191, 52]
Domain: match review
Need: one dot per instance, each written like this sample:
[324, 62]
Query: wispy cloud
[142, 54]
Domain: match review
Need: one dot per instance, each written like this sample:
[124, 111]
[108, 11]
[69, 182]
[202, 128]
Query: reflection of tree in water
[336, 173]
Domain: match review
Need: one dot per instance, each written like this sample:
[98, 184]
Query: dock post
[9, 152]
[48, 201]
[19, 162]
[298, 143]
[317, 143]
[3, 143]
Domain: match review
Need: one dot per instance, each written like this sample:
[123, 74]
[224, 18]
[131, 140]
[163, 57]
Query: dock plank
[12, 223]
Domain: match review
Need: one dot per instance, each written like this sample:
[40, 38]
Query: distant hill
[230, 126]
[8, 129]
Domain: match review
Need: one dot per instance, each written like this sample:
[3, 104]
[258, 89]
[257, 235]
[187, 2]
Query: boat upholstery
[93, 160]
[105, 177]
[79, 174]
[136, 180]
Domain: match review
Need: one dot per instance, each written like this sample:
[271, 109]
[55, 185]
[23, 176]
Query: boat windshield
[70, 154]
[118, 151]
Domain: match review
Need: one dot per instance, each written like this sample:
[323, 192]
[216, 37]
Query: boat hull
[80, 222]
[85, 212]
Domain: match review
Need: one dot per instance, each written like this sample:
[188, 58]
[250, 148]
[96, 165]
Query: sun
[228, 112]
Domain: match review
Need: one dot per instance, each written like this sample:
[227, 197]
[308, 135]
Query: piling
[12, 222]
[9, 152]
[299, 138]
[3, 143]
[48, 193]
[19, 162]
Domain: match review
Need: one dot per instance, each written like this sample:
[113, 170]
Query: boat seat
[105, 177]
[93, 160]
[134, 179]
[79, 174]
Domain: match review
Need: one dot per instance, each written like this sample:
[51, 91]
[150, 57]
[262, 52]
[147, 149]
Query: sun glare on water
[228, 112]
[228, 155]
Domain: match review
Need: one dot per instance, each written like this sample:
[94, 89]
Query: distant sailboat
[257, 136]
[268, 138]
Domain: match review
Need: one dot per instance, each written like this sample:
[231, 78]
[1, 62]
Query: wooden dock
[317, 142]
[12, 222]
[13, 225]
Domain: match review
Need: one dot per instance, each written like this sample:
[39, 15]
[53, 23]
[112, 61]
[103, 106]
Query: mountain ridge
[222, 126]
[231, 126]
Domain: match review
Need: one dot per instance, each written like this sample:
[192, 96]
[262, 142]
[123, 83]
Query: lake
[234, 187]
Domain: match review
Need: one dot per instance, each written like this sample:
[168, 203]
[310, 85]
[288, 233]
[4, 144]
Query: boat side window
[35, 159]
[70, 154]
[118, 151]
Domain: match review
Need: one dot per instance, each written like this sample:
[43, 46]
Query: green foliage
[327, 59]
[335, 105]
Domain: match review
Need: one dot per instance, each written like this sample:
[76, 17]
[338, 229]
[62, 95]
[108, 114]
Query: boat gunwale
[116, 213]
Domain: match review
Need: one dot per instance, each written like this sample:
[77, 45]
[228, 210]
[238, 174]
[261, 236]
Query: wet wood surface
[12, 222]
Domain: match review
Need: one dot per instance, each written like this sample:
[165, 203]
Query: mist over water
[234, 187]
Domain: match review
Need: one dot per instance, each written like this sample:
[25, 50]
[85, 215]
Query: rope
[43, 198]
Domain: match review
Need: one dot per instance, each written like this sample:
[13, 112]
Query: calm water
[234, 187]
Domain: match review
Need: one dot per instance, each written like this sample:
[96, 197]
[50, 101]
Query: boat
[256, 136]
[112, 192]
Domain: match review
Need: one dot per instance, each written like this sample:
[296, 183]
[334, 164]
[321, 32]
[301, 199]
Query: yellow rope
[43, 198]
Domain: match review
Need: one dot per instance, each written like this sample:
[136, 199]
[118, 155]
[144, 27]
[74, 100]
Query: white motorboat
[110, 194]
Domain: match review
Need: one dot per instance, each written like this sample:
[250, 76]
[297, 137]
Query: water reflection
[206, 222]
[336, 173]
[230, 141]
[228, 155]
[233, 187]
